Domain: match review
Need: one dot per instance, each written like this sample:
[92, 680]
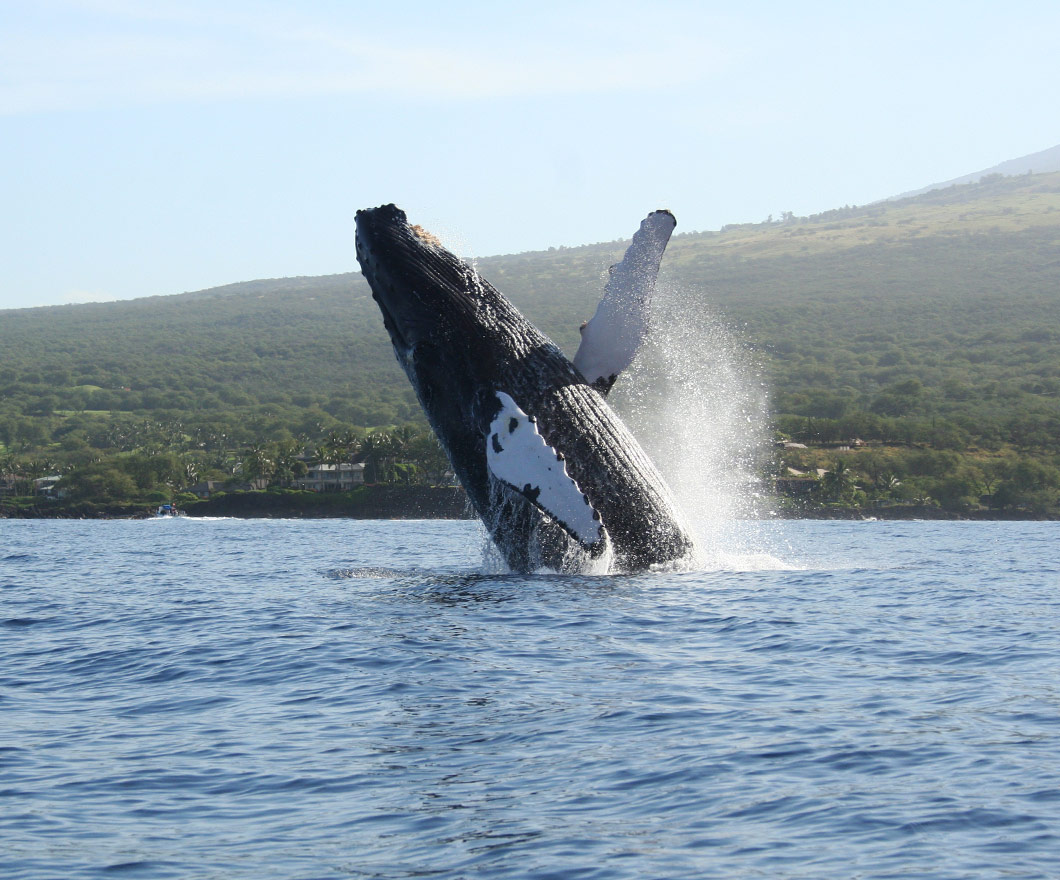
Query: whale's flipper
[611, 339]
[519, 457]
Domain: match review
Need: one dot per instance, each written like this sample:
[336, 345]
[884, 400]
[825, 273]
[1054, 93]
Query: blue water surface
[317, 699]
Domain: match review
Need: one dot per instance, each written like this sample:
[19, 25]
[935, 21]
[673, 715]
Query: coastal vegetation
[911, 349]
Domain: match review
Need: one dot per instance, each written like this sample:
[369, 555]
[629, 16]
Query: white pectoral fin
[611, 339]
[519, 457]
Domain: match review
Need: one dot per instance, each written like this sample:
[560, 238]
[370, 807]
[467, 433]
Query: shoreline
[365, 502]
[422, 502]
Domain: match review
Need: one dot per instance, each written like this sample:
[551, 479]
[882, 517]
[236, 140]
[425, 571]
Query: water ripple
[308, 699]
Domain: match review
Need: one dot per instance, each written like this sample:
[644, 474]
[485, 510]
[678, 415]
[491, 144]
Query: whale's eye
[512, 425]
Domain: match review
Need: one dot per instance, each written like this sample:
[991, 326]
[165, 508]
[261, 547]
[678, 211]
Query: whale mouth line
[393, 326]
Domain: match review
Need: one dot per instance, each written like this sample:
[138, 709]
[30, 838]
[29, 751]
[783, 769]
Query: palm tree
[887, 485]
[378, 452]
[191, 471]
[287, 462]
[337, 448]
[426, 453]
[27, 471]
[257, 463]
[838, 483]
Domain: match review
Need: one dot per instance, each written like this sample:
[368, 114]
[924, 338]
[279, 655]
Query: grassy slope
[957, 288]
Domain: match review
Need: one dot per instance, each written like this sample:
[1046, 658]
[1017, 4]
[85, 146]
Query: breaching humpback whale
[555, 475]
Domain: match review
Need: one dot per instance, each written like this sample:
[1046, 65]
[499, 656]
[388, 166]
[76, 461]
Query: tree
[380, 451]
[288, 466]
[955, 492]
[257, 463]
[100, 483]
[337, 448]
[838, 484]
[430, 459]
[164, 470]
[1030, 484]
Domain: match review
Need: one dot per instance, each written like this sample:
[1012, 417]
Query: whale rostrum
[552, 471]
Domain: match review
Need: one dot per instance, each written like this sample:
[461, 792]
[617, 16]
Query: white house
[331, 477]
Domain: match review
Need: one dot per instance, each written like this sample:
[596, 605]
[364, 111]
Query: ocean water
[317, 699]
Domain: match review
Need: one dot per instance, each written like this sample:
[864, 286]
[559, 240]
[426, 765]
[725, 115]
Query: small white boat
[166, 510]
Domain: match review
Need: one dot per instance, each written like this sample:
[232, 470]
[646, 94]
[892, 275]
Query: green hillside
[942, 306]
[933, 320]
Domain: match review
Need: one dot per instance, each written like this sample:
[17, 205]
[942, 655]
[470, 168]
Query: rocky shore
[422, 502]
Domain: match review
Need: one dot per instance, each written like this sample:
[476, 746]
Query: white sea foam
[695, 403]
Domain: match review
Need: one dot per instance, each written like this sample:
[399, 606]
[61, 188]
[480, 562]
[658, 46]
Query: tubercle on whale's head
[384, 233]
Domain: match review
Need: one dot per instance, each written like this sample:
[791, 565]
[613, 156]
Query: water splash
[693, 400]
[549, 549]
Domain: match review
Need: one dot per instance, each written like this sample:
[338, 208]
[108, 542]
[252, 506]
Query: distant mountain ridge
[1041, 162]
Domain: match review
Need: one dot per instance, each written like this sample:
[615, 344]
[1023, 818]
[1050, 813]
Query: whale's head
[455, 336]
[426, 299]
[415, 281]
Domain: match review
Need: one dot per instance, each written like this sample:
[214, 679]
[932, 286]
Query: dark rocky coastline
[422, 502]
[367, 502]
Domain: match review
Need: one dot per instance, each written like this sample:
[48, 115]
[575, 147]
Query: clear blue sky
[157, 147]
